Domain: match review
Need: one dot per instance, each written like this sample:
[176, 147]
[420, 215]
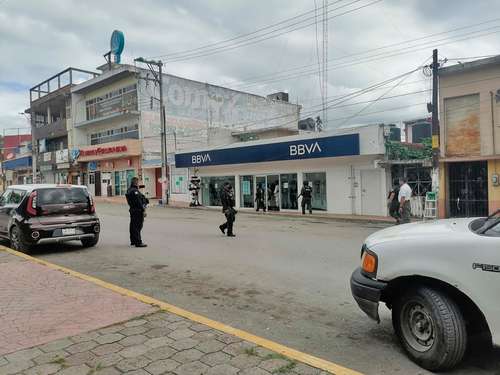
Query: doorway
[158, 183]
[468, 189]
[271, 185]
[370, 193]
[97, 183]
[261, 181]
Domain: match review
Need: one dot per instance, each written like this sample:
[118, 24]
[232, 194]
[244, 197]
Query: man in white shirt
[404, 200]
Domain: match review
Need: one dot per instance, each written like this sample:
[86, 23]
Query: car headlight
[369, 263]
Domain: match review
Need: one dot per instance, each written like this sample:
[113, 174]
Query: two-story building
[50, 110]
[115, 131]
[469, 98]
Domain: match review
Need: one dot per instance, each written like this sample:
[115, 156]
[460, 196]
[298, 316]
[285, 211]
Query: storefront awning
[19, 163]
[312, 148]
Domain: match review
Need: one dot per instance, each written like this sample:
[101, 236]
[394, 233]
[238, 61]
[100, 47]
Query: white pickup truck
[442, 281]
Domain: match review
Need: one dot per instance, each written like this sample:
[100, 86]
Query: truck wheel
[90, 242]
[431, 328]
[17, 240]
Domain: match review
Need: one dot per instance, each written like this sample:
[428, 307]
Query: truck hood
[420, 231]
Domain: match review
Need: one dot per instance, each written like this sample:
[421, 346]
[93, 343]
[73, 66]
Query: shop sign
[92, 165]
[63, 166]
[103, 151]
[47, 156]
[340, 145]
[45, 168]
[62, 156]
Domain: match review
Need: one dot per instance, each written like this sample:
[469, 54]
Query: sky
[381, 40]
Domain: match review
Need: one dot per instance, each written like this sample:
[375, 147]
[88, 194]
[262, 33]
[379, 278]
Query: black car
[38, 214]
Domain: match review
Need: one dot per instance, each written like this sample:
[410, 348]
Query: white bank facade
[341, 167]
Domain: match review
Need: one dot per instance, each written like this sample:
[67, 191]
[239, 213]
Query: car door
[9, 201]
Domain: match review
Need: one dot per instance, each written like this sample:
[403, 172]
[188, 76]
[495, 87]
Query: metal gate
[468, 189]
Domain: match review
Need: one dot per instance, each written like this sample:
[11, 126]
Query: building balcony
[55, 129]
[122, 115]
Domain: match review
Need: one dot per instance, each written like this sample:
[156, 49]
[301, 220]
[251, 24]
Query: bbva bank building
[341, 167]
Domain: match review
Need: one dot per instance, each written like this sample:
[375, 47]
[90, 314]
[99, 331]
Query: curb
[268, 344]
[343, 219]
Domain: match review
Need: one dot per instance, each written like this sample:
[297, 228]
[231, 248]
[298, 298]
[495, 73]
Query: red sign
[103, 150]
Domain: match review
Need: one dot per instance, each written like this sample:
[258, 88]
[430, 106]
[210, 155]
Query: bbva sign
[200, 158]
[304, 148]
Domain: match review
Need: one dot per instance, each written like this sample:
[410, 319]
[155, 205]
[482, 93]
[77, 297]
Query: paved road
[282, 278]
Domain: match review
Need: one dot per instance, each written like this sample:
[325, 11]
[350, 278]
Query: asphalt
[286, 279]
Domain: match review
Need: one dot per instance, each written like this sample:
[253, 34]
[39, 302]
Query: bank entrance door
[271, 185]
[468, 189]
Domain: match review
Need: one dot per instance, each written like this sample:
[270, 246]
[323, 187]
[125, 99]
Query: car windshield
[62, 196]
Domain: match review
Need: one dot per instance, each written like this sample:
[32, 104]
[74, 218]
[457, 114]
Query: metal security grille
[468, 189]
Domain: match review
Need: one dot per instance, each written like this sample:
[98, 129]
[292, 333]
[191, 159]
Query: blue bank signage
[340, 145]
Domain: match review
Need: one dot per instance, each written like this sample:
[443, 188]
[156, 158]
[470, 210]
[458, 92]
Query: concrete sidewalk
[316, 214]
[56, 321]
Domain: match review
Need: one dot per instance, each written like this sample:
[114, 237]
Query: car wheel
[90, 242]
[17, 240]
[431, 328]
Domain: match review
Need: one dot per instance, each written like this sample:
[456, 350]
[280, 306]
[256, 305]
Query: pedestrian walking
[404, 197]
[227, 200]
[306, 194]
[137, 203]
[260, 198]
[393, 202]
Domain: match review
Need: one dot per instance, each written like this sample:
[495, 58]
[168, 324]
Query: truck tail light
[32, 202]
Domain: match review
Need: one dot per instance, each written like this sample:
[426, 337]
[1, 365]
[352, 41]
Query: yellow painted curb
[268, 344]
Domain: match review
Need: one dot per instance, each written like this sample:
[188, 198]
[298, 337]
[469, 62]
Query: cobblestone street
[160, 343]
[55, 321]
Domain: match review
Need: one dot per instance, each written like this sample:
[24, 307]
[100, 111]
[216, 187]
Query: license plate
[68, 231]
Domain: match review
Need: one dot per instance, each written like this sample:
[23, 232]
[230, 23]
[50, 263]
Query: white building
[115, 129]
[341, 166]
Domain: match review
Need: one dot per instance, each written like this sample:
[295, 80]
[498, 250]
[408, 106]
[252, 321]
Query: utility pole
[34, 145]
[158, 78]
[435, 111]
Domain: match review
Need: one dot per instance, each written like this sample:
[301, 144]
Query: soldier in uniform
[306, 194]
[137, 203]
[260, 196]
[227, 200]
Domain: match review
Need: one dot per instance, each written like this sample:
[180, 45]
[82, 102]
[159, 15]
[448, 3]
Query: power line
[266, 36]
[381, 96]
[241, 35]
[406, 42]
[381, 56]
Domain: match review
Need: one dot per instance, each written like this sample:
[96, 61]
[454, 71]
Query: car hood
[419, 231]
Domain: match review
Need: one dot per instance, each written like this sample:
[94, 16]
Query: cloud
[39, 39]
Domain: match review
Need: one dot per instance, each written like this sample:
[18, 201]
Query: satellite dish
[117, 43]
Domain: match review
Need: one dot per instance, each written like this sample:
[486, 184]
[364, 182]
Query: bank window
[288, 191]
[211, 188]
[246, 191]
[318, 183]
